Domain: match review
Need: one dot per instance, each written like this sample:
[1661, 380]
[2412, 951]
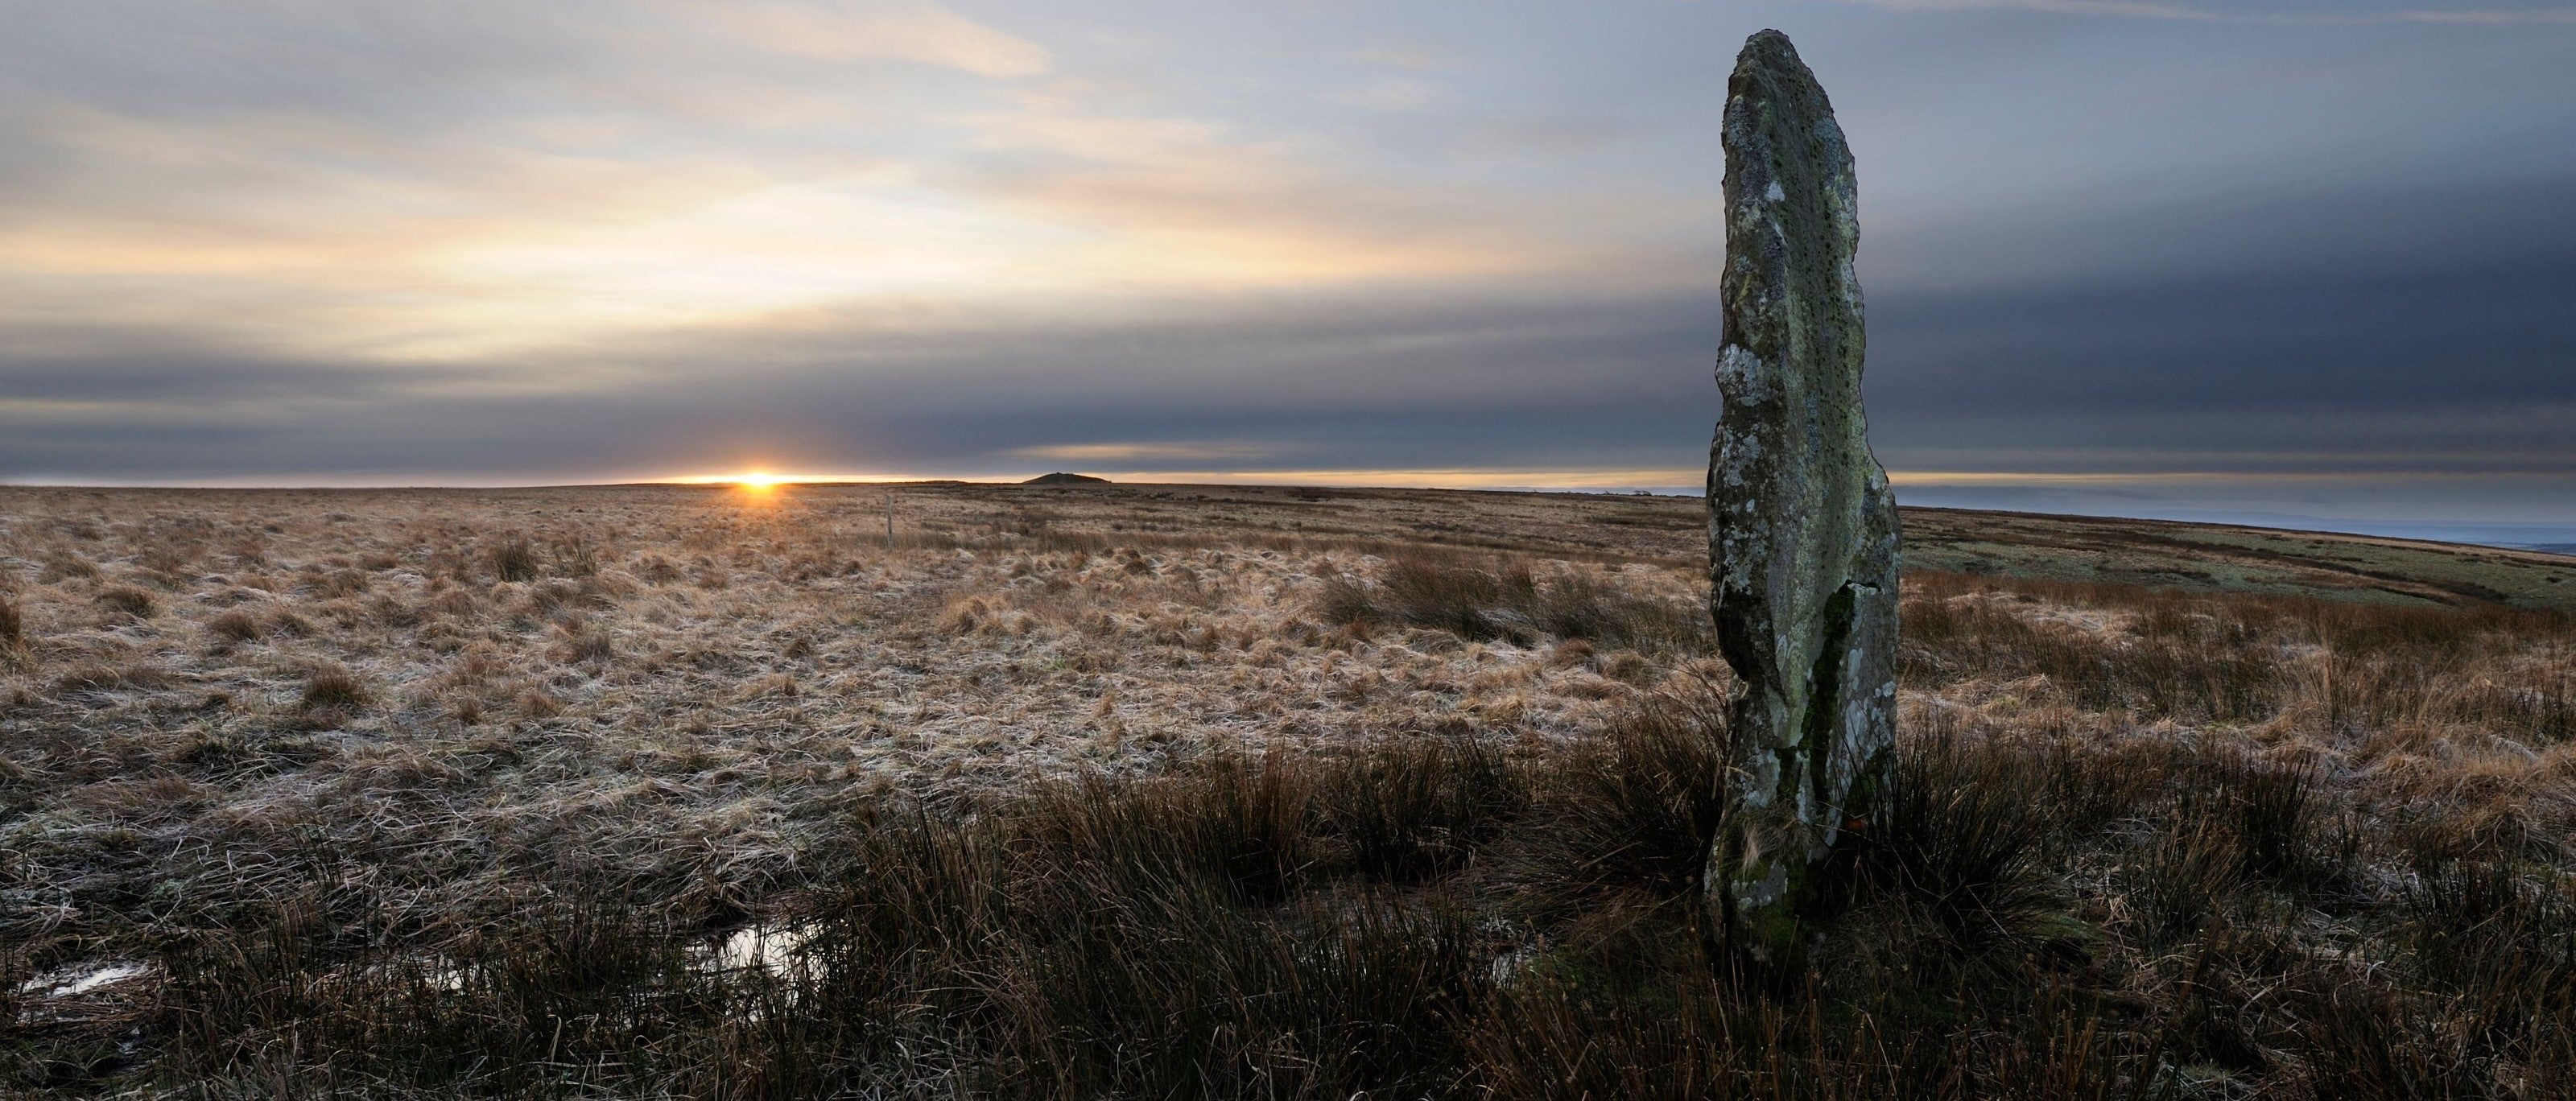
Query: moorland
[1174, 791]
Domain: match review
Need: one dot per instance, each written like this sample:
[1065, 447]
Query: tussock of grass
[13, 632]
[235, 626]
[128, 600]
[63, 566]
[1634, 809]
[1418, 809]
[514, 558]
[1963, 843]
[332, 689]
[590, 646]
[1507, 601]
[576, 556]
[101, 677]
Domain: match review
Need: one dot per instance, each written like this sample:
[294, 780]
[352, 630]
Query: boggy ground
[1171, 791]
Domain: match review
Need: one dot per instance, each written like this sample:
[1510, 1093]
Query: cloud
[2321, 365]
[1413, 58]
[1278, 384]
[1388, 95]
[2285, 348]
[1132, 452]
[582, 188]
[861, 29]
[607, 239]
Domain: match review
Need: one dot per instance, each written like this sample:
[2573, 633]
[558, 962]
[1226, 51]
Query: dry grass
[128, 600]
[514, 558]
[236, 626]
[1506, 600]
[332, 689]
[1136, 795]
[13, 632]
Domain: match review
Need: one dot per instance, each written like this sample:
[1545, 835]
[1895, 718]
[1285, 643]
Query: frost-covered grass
[1142, 792]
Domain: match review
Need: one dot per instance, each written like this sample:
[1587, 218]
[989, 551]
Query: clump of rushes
[585, 643]
[576, 556]
[128, 600]
[96, 677]
[65, 566]
[13, 632]
[514, 559]
[1505, 600]
[332, 689]
[234, 626]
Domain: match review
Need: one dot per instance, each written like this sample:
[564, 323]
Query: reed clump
[332, 689]
[13, 632]
[1508, 600]
[130, 601]
[514, 558]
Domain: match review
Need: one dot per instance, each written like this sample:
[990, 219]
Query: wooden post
[889, 521]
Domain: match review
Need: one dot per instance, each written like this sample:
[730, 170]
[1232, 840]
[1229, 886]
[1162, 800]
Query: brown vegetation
[332, 688]
[13, 631]
[714, 798]
[1488, 600]
[514, 558]
[128, 600]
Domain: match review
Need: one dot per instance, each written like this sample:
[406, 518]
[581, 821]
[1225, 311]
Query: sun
[759, 485]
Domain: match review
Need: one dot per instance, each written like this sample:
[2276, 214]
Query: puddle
[1511, 966]
[81, 992]
[765, 947]
[768, 947]
[74, 981]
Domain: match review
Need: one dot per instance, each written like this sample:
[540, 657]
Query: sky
[2308, 262]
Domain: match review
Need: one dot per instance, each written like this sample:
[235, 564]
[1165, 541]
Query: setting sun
[759, 483]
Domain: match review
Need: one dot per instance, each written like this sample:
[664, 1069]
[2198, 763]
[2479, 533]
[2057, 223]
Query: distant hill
[1060, 478]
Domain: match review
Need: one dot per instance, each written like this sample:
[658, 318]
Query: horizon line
[2451, 532]
[1463, 478]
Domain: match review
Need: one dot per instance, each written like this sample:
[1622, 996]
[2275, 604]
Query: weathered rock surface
[1802, 528]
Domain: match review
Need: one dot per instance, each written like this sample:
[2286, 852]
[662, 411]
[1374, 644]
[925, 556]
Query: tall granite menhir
[1801, 526]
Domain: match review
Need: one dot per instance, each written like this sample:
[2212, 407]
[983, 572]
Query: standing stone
[1801, 526]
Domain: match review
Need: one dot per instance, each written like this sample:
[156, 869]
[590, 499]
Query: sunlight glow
[759, 480]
